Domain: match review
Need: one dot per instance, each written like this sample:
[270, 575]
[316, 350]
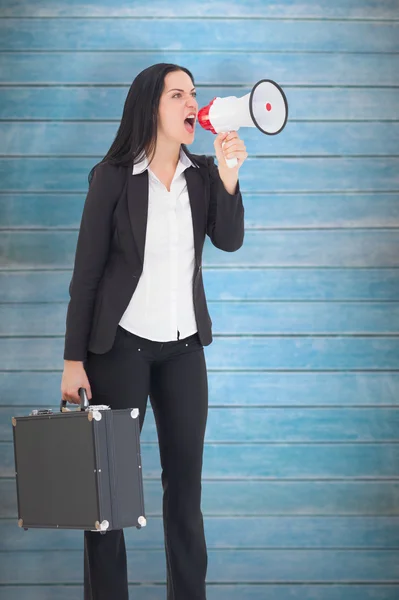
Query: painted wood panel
[253, 497]
[284, 248]
[352, 9]
[262, 211]
[225, 566]
[198, 35]
[24, 387]
[235, 318]
[223, 532]
[103, 103]
[255, 283]
[305, 139]
[334, 174]
[316, 591]
[231, 68]
[301, 484]
[272, 460]
[272, 425]
[275, 353]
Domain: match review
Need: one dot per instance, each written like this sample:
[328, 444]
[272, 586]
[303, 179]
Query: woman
[137, 319]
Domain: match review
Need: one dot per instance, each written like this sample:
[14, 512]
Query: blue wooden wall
[301, 474]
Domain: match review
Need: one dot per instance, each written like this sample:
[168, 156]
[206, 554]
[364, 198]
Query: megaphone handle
[230, 162]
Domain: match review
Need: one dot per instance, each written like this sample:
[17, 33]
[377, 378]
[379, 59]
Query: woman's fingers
[74, 377]
[71, 396]
[229, 145]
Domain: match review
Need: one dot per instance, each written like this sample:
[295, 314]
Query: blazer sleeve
[225, 223]
[91, 255]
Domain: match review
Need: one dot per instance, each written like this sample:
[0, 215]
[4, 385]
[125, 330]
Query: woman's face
[177, 102]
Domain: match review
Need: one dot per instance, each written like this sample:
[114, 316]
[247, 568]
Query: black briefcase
[79, 469]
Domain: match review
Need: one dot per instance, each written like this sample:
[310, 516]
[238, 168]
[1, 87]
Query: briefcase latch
[103, 526]
[94, 414]
[142, 521]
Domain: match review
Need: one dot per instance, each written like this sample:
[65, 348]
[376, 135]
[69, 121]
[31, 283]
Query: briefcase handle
[83, 401]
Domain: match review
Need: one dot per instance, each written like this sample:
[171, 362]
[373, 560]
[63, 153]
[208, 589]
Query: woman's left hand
[234, 147]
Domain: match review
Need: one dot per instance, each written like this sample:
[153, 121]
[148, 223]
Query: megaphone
[265, 107]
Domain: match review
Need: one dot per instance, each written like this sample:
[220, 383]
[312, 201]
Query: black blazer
[110, 249]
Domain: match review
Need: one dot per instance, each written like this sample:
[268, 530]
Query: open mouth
[189, 124]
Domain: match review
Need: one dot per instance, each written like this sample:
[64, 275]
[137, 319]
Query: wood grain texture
[104, 103]
[300, 461]
[316, 591]
[306, 139]
[330, 174]
[62, 34]
[262, 210]
[225, 566]
[284, 248]
[253, 353]
[352, 9]
[272, 425]
[229, 69]
[235, 318]
[225, 532]
[256, 283]
[252, 497]
[301, 483]
[234, 388]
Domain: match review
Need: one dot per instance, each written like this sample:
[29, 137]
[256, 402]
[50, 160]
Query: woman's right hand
[73, 378]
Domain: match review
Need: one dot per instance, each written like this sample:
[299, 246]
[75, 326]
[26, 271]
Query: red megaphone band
[203, 117]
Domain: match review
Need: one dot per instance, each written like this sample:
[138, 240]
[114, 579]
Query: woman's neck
[166, 157]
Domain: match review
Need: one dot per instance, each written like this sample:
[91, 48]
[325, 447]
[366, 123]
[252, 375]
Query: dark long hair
[137, 132]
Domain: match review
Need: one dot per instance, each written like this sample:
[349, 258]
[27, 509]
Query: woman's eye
[178, 94]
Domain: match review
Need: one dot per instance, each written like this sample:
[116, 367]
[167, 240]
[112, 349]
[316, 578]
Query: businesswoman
[137, 319]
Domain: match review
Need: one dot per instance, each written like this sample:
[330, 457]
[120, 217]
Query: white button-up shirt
[162, 307]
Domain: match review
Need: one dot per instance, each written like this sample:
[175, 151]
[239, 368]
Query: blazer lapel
[137, 200]
[196, 193]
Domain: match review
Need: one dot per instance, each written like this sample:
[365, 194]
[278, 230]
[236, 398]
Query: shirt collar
[184, 163]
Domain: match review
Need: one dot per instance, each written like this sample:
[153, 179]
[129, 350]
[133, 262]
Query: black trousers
[174, 376]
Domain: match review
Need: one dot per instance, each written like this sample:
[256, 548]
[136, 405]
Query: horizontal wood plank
[265, 591]
[355, 9]
[287, 68]
[270, 461]
[235, 318]
[333, 284]
[173, 34]
[262, 210]
[319, 450]
[225, 566]
[229, 532]
[104, 103]
[233, 424]
[298, 139]
[265, 175]
[266, 498]
[287, 389]
[302, 248]
[237, 353]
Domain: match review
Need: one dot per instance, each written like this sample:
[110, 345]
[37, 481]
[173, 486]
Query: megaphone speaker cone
[268, 107]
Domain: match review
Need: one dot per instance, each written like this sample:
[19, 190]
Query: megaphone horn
[264, 107]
